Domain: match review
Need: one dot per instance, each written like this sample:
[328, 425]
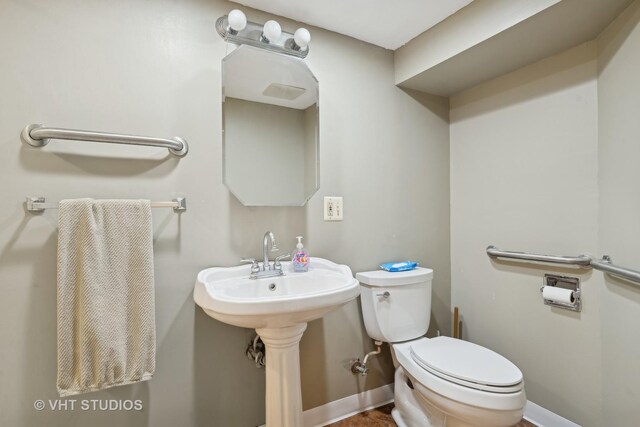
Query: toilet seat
[454, 390]
[467, 364]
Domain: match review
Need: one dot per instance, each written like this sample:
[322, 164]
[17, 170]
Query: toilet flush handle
[386, 294]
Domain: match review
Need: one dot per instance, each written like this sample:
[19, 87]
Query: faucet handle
[255, 268]
[276, 263]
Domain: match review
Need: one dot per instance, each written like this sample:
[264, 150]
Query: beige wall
[524, 163]
[619, 151]
[544, 160]
[480, 20]
[154, 68]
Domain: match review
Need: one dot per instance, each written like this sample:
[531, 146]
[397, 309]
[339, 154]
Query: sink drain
[272, 286]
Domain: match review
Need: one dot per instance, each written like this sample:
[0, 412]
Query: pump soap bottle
[300, 260]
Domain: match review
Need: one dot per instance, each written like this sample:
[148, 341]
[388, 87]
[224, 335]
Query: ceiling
[389, 24]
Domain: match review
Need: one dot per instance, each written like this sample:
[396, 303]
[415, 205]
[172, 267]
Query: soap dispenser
[300, 260]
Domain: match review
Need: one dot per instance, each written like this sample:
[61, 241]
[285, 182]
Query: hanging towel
[106, 306]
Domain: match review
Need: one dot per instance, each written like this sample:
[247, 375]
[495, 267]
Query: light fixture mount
[253, 36]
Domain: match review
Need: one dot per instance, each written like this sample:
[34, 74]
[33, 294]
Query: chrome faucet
[265, 248]
[267, 270]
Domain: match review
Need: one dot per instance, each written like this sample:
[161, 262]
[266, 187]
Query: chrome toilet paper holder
[563, 282]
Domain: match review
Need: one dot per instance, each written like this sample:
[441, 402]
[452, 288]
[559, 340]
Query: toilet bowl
[439, 381]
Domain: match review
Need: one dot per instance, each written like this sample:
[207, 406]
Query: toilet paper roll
[558, 294]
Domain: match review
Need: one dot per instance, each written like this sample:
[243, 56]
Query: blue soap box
[399, 266]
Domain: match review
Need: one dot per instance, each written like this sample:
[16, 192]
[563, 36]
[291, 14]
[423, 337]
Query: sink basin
[279, 309]
[227, 294]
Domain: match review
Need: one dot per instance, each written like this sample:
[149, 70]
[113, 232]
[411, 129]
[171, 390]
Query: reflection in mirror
[270, 128]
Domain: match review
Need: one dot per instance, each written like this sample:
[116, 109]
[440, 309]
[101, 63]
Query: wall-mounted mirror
[270, 128]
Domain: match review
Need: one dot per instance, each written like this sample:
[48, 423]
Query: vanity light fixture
[235, 28]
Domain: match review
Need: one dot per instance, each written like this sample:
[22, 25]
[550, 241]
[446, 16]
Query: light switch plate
[333, 208]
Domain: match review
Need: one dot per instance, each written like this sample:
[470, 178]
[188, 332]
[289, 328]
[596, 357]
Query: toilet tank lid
[384, 278]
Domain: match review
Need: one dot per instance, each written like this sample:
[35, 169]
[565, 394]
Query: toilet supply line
[359, 367]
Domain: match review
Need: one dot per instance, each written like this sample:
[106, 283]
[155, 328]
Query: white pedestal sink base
[283, 393]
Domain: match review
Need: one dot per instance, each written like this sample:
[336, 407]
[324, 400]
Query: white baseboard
[545, 418]
[354, 404]
[348, 406]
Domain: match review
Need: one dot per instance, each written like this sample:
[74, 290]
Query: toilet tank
[396, 306]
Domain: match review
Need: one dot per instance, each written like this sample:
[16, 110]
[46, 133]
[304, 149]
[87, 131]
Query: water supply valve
[358, 367]
[256, 352]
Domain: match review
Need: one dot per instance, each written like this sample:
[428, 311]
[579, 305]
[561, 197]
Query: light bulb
[302, 37]
[237, 20]
[271, 31]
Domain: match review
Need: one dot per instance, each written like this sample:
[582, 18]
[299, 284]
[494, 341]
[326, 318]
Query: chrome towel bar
[580, 260]
[605, 265]
[39, 204]
[38, 135]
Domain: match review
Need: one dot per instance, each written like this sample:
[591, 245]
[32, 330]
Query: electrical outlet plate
[333, 208]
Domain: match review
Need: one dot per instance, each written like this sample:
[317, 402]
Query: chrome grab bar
[37, 135]
[580, 260]
[605, 265]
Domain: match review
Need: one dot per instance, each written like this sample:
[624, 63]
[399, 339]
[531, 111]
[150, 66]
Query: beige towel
[106, 318]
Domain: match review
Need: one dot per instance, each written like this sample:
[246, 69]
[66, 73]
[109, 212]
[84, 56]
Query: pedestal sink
[279, 309]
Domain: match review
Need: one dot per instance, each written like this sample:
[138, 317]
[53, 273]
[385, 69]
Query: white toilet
[439, 381]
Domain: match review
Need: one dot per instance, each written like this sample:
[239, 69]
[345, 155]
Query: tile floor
[381, 417]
